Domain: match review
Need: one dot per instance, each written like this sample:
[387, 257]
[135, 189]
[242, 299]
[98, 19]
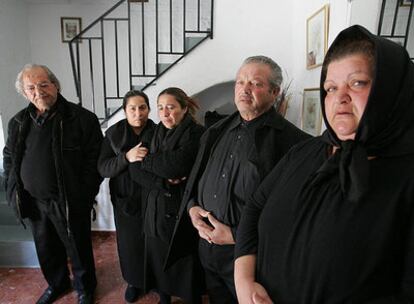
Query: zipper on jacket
[63, 182]
[18, 206]
[19, 213]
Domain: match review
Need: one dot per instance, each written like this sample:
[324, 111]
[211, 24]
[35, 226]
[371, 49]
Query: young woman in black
[120, 149]
[163, 172]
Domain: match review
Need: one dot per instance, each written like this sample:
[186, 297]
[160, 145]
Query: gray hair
[19, 79]
[276, 77]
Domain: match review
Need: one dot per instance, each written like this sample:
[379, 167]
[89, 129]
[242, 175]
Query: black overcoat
[76, 143]
[170, 158]
[273, 140]
[126, 196]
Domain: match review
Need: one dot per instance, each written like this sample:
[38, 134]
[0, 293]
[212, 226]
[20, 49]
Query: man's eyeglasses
[39, 86]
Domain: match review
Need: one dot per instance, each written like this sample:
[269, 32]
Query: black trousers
[218, 264]
[54, 245]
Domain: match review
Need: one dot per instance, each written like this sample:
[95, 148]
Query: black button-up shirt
[231, 174]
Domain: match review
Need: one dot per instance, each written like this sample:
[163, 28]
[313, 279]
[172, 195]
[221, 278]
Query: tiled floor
[25, 285]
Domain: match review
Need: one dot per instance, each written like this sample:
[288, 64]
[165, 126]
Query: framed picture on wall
[311, 111]
[406, 2]
[70, 27]
[317, 37]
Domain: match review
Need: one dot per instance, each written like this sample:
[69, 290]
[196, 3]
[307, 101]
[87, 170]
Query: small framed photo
[405, 2]
[70, 26]
[317, 37]
[311, 112]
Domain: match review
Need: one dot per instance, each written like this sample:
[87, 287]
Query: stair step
[191, 42]
[15, 233]
[17, 248]
[112, 110]
[7, 216]
[104, 125]
[18, 254]
[137, 87]
[162, 67]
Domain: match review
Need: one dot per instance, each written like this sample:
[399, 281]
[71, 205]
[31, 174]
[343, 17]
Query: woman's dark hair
[183, 99]
[351, 46]
[133, 93]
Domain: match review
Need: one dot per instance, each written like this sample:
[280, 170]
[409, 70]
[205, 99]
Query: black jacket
[75, 144]
[172, 161]
[273, 140]
[125, 193]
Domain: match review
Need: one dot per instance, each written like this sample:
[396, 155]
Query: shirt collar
[251, 124]
[41, 118]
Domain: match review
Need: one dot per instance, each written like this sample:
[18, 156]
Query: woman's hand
[137, 153]
[260, 295]
[252, 293]
[247, 289]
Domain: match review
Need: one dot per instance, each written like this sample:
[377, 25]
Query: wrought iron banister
[396, 23]
[131, 46]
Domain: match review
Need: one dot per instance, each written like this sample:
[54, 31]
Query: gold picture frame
[70, 27]
[311, 111]
[317, 37]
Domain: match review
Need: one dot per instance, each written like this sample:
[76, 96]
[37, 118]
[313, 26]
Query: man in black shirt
[50, 163]
[235, 155]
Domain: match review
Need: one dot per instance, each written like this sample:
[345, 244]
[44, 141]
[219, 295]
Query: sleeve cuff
[191, 203]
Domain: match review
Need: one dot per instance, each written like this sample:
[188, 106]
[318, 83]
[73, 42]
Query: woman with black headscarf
[334, 221]
[163, 172]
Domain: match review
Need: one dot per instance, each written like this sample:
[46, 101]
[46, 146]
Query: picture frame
[311, 112]
[317, 37]
[405, 2]
[70, 27]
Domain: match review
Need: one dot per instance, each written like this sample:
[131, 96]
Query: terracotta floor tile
[25, 285]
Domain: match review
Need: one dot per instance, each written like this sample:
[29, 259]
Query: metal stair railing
[396, 23]
[133, 44]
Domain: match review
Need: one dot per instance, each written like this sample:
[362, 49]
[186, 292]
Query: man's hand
[137, 153]
[197, 214]
[221, 234]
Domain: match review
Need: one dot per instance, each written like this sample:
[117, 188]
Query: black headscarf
[386, 128]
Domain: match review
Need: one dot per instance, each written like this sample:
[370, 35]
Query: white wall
[45, 37]
[303, 78]
[241, 29]
[14, 53]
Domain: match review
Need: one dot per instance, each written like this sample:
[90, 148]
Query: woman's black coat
[171, 156]
[126, 196]
[112, 163]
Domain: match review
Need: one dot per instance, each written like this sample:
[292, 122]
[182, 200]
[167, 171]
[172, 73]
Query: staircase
[17, 248]
[132, 45]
